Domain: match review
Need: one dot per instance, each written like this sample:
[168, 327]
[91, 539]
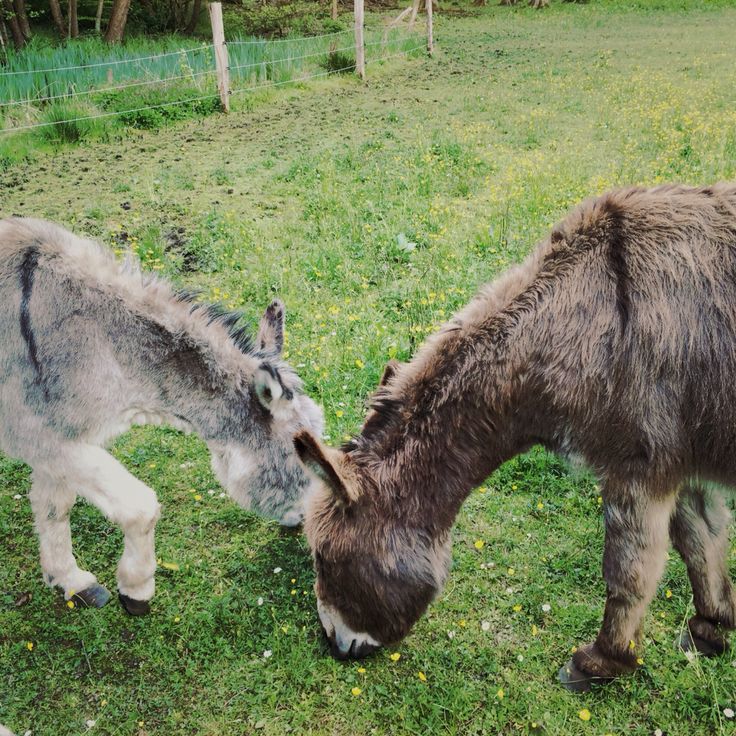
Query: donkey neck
[452, 419]
[193, 369]
[475, 396]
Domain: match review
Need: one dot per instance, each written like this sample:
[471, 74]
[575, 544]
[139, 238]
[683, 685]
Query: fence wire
[200, 98]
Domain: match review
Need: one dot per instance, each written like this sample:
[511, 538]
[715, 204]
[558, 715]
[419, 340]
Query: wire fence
[99, 89]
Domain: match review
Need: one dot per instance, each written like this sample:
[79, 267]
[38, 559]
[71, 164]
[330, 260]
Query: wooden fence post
[359, 40]
[414, 11]
[221, 61]
[430, 38]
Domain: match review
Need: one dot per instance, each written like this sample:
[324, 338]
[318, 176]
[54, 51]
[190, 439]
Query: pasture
[374, 211]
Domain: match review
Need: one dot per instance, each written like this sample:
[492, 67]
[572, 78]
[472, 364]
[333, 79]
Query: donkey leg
[633, 560]
[104, 482]
[52, 501]
[699, 532]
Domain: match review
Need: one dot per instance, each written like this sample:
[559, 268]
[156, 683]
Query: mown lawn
[374, 212]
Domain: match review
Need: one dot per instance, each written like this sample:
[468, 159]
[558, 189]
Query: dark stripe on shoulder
[619, 266]
[27, 275]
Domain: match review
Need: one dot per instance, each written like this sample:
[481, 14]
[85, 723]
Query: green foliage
[339, 62]
[297, 18]
[67, 123]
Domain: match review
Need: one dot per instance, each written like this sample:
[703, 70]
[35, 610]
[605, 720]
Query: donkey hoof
[133, 607]
[688, 642]
[96, 596]
[575, 680]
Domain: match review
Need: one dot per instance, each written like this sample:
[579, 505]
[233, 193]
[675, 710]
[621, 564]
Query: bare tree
[194, 19]
[19, 6]
[98, 16]
[73, 21]
[11, 20]
[118, 19]
[58, 17]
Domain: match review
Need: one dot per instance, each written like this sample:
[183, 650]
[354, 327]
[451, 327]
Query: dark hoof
[688, 642]
[133, 607]
[96, 596]
[577, 681]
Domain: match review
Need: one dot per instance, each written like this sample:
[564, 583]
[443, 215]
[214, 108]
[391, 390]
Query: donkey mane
[232, 321]
[496, 313]
[598, 227]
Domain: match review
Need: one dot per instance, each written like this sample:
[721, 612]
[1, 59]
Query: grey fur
[90, 346]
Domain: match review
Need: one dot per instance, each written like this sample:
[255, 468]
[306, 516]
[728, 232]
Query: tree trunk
[19, 40]
[196, 11]
[20, 13]
[73, 22]
[98, 17]
[3, 33]
[538, 4]
[118, 19]
[58, 17]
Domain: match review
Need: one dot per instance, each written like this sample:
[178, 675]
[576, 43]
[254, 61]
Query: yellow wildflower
[422, 676]
[584, 714]
[500, 693]
[395, 657]
[356, 691]
[478, 544]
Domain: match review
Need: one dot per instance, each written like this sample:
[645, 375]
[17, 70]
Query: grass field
[87, 92]
[374, 211]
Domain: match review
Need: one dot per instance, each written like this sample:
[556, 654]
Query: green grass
[375, 212]
[85, 90]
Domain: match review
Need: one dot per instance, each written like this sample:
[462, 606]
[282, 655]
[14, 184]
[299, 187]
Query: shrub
[339, 61]
[67, 123]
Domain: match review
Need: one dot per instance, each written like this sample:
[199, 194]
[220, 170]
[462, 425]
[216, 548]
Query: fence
[189, 74]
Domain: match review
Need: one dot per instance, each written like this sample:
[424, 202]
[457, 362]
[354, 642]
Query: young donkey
[89, 347]
[614, 340]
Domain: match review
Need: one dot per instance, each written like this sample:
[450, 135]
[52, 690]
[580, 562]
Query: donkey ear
[269, 388]
[389, 371]
[328, 465]
[270, 338]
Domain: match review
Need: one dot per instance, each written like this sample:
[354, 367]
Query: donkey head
[376, 572]
[261, 470]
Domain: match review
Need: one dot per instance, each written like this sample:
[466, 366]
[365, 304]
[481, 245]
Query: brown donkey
[616, 341]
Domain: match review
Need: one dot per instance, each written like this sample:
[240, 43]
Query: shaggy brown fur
[616, 341]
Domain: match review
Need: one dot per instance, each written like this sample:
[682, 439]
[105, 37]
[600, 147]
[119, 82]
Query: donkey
[89, 347]
[615, 341]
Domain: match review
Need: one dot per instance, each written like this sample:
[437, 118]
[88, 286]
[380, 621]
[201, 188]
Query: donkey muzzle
[344, 643]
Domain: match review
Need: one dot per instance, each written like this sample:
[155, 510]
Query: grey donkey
[90, 346]
[615, 341]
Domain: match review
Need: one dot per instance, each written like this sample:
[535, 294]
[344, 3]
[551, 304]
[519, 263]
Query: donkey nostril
[364, 650]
